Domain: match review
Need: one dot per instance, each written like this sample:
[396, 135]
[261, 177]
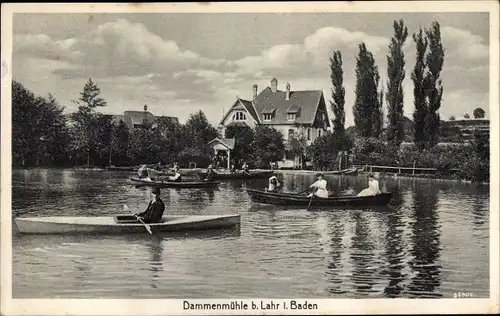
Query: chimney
[254, 91]
[287, 94]
[274, 85]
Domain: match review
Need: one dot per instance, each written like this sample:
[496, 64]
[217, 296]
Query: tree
[324, 150]
[367, 78]
[433, 85]
[297, 146]
[39, 132]
[396, 75]
[479, 113]
[378, 116]
[243, 136]
[171, 138]
[466, 116]
[268, 145]
[120, 144]
[420, 112]
[452, 118]
[85, 132]
[338, 92]
[197, 133]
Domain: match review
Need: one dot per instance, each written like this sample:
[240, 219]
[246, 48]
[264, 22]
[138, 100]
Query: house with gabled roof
[293, 113]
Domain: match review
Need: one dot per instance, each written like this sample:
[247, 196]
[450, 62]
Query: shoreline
[386, 175]
[190, 171]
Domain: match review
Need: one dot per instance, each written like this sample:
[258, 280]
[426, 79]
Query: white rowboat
[121, 224]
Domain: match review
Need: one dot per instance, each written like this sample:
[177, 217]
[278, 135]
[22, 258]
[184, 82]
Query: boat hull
[300, 200]
[239, 176]
[346, 172]
[110, 224]
[182, 184]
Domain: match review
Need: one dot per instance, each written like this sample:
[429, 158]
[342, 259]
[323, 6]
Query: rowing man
[155, 209]
[320, 186]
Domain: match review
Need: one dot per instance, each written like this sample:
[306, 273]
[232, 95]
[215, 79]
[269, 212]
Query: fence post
[414, 161]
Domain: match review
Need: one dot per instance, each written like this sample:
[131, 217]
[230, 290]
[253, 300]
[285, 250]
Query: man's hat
[156, 191]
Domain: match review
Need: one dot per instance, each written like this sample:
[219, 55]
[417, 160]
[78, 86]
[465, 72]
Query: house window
[239, 116]
[291, 133]
[291, 116]
[308, 133]
[267, 116]
[319, 133]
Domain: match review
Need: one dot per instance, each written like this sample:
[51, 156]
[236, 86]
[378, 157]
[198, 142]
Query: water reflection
[410, 248]
[426, 243]
[362, 255]
[156, 259]
[335, 266]
[394, 254]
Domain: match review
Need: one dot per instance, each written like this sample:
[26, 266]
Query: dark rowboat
[350, 172]
[239, 175]
[171, 184]
[302, 200]
[122, 224]
[121, 168]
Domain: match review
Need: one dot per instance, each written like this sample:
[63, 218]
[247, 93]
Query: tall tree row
[396, 75]
[366, 109]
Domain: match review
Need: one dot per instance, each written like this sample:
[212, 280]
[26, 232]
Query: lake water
[433, 241]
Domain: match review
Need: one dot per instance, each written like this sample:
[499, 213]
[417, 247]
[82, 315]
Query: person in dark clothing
[155, 209]
[210, 174]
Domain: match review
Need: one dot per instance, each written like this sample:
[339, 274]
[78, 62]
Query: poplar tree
[417, 76]
[365, 104]
[434, 61]
[338, 92]
[396, 75]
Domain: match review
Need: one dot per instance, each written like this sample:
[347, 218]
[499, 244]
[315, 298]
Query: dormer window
[268, 114]
[239, 116]
[292, 113]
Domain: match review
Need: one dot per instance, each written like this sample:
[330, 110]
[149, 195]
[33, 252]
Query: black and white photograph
[250, 158]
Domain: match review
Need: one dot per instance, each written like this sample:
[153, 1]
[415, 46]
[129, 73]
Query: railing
[375, 168]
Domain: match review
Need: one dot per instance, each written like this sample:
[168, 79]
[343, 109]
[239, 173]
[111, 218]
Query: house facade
[293, 113]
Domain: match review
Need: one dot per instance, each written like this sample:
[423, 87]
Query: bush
[323, 152]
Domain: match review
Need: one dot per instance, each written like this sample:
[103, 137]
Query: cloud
[113, 49]
[309, 57]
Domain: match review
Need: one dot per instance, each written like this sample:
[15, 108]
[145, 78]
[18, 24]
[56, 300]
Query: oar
[310, 201]
[148, 228]
[303, 191]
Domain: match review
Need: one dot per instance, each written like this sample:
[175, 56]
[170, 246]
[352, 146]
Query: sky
[179, 63]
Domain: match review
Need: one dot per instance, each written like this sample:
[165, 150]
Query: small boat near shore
[347, 172]
[112, 168]
[294, 199]
[172, 184]
[238, 175]
[122, 224]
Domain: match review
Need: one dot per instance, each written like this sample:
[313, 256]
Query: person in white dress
[320, 186]
[373, 187]
[274, 184]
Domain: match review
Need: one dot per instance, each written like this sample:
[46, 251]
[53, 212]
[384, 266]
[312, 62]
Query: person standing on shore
[373, 187]
[320, 186]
